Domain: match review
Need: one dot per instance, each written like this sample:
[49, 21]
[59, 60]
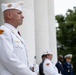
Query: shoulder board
[1, 32]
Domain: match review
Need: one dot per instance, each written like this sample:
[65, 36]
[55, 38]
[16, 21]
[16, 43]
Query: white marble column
[52, 29]
[27, 29]
[45, 33]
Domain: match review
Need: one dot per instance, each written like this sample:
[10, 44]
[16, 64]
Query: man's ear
[9, 15]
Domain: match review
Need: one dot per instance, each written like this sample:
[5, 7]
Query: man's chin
[20, 24]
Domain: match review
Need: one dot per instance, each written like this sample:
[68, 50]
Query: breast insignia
[1, 31]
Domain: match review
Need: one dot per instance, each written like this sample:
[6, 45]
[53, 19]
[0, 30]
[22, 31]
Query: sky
[61, 6]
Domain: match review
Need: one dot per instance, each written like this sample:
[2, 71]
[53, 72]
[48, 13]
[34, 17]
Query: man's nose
[22, 16]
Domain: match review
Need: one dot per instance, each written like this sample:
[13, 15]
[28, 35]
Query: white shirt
[13, 53]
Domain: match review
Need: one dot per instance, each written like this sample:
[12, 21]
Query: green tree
[66, 34]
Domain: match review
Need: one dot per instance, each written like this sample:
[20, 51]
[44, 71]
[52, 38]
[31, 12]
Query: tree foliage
[66, 34]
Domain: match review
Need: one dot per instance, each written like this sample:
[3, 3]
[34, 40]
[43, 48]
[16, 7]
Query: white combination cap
[6, 6]
[60, 56]
[48, 52]
[68, 56]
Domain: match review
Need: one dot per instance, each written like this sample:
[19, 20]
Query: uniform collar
[68, 63]
[14, 31]
[47, 59]
[10, 27]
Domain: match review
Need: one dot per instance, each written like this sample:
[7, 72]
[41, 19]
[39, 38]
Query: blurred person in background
[41, 65]
[59, 65]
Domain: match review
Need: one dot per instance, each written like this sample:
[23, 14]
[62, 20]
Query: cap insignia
[9, 5]
[47, 52]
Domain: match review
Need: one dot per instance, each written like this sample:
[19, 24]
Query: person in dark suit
[41, 65]
[59, 65]
[68, 67]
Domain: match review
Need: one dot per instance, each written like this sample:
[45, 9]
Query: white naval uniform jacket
[49, 68]
[13, 53]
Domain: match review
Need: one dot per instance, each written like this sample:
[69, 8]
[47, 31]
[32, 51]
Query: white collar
[10, 27]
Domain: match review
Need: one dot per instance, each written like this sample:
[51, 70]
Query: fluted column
[52, 29]
[45, 28]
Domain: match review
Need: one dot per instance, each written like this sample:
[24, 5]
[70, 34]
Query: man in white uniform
[13, 53]
[48, 67]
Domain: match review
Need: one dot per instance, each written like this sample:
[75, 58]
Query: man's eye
[19, 13]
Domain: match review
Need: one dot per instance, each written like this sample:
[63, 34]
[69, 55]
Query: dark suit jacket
[60, 68]
[68, 69]
[41, 69]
